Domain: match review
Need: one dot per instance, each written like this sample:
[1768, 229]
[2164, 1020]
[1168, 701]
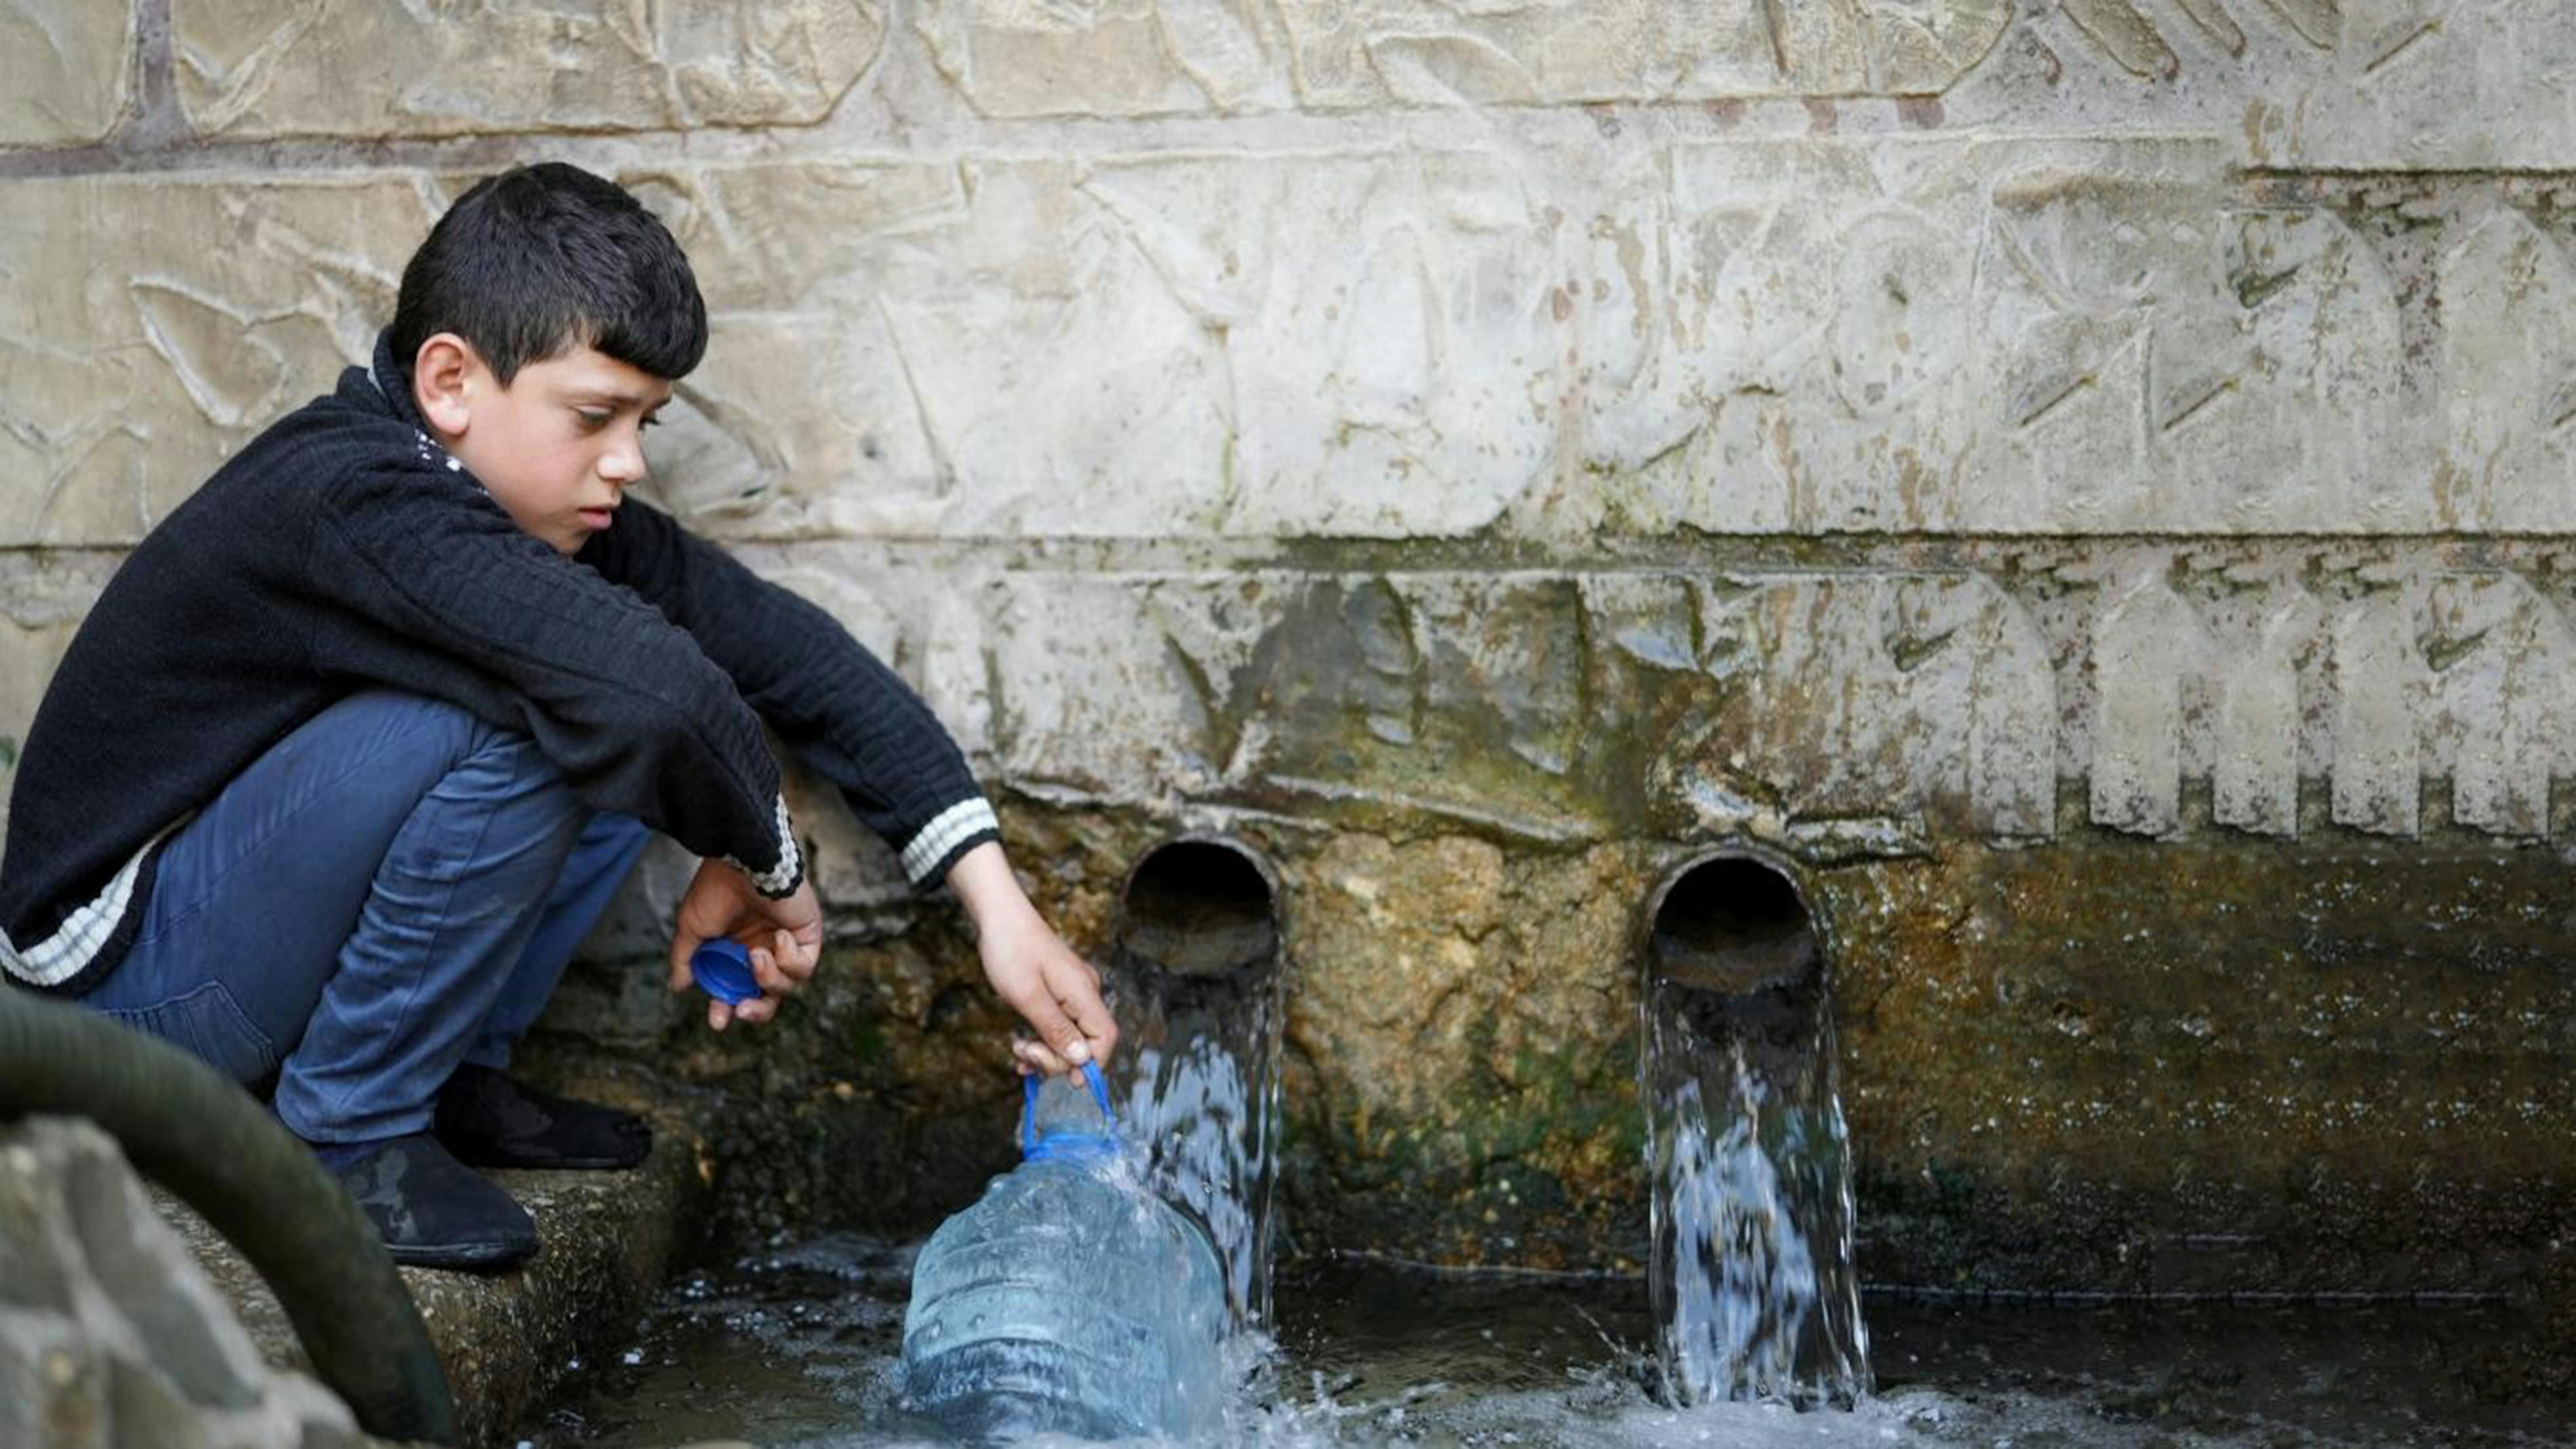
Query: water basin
[800, 1348]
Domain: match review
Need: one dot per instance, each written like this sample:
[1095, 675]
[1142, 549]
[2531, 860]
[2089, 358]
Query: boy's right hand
[784, 937]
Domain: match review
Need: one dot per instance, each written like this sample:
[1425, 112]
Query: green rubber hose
[185, 1126]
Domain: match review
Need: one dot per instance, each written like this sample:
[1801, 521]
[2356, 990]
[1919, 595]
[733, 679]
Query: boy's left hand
[1034, 972]
[1055, 991]
[784, 937]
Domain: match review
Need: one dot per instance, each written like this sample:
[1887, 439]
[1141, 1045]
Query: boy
[360, 740]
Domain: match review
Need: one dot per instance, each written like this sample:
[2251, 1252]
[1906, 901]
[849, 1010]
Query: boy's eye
[651, 421]
[592, 418]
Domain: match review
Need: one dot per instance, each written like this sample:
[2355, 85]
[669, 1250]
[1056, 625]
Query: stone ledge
[505, 1340]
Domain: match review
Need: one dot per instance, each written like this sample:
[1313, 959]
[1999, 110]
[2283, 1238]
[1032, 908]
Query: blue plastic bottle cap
[722, 970]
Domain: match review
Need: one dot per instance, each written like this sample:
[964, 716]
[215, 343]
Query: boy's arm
[435, 591]
[832, 701]
[1055, 991]
[859, 724]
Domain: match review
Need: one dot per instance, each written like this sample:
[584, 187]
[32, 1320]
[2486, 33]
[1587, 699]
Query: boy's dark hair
[539, 260]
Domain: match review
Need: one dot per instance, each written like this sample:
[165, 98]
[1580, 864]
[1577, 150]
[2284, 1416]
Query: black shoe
[433, 1211]
[488, 1120]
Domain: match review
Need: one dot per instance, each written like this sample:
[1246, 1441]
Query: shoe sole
[551, 1164]
[467, 1257]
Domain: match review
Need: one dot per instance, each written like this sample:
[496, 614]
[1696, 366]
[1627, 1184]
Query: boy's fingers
[1033, 1059]
[1098, 1027]
[717, 1015]
[683, 946]
[1064, 1040]
[770, 970]
[1075, 985]
[756, 1010]
[794, 957]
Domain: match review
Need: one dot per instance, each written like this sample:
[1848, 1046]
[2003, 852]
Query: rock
[110, 1334]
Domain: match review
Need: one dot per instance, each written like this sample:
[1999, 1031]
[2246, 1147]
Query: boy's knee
[412, 742]
[393, 721]
[415, 722]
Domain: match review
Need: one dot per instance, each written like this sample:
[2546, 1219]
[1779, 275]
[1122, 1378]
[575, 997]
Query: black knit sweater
[343, 549]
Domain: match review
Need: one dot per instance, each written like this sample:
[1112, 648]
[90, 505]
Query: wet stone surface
[2201, 1066]
[799, 1345]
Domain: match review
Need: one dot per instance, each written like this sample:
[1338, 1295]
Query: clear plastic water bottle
[1068, 1299]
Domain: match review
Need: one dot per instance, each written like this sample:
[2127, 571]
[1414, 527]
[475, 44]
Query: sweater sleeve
[835, 703]
[426, 584]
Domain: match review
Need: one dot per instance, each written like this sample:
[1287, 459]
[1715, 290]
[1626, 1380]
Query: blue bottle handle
[1029, 1106]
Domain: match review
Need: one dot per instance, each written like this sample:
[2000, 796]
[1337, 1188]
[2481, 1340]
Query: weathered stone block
[252, 68]
[2004, 337]
[2380, 684]
[1901, 704]
[2502, 706]
[1517, 340]
[2142, 649]
[1884, 698]
[1121, 687]
[2252, 1038]
[1147, 57]
[151, 327]
[2365, 84]
[1139, 57]
[2258, 641]
[1200, 373]
[2102, 338]
[66, 70]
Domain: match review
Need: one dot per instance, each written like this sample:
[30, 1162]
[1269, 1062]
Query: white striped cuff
[780, 879]
[958, 822]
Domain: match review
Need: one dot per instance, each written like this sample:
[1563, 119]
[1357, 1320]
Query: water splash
[1749, 1173]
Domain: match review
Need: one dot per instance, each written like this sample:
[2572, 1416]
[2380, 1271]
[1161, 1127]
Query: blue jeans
[393, 889]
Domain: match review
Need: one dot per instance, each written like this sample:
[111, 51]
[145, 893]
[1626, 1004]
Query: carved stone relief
[259, 68]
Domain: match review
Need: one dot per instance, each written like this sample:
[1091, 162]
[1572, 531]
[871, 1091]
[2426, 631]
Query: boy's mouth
[597, 518]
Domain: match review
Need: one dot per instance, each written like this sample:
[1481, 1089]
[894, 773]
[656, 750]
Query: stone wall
[1987, 450]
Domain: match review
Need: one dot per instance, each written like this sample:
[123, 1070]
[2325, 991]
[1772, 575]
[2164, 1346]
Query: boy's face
[558, 447]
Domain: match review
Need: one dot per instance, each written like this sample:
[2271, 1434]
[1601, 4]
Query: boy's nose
[622, 464]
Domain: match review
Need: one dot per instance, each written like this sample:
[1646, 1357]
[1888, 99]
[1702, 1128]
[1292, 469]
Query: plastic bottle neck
[1057, 1124]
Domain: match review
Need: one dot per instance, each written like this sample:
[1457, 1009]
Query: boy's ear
[444, 377]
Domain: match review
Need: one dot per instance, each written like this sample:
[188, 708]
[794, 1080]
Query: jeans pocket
[208, 1025]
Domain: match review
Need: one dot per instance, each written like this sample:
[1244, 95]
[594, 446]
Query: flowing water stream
[1199, 1101]
[1748, 1165]
[1195, 984]
[1751, 1274]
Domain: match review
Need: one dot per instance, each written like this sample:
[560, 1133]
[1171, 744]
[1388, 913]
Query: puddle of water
[802, 1348]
